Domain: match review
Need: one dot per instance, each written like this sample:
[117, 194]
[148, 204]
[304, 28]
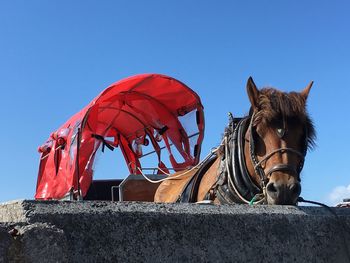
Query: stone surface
[5, 243]
[147, 232]
[13, 211]
[42, 242]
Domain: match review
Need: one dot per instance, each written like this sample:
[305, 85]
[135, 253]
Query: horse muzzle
[283, 188]
[279, 193]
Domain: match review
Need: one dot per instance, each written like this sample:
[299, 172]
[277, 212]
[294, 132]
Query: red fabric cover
[127, 110]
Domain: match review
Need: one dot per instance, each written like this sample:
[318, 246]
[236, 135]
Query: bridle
[239, 186]
[264, 177]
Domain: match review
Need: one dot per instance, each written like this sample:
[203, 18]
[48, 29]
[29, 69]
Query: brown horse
[260, 158]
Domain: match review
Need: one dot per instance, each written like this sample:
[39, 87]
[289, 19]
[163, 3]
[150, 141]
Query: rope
[252, 201]
[179, 175]
[261, 196]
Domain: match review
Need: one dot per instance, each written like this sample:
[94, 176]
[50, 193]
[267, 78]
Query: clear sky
[56, 56]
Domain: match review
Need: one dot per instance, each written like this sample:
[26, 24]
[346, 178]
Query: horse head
[277, 139]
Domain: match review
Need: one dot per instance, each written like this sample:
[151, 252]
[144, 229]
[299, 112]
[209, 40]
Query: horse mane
[275, 104]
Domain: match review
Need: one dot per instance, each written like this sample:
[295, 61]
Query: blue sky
[56, 56]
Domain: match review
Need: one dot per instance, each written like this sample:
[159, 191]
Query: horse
[260, 158]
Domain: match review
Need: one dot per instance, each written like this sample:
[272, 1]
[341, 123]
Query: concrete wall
[147, 232]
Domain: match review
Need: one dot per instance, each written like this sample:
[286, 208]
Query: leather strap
[282, 167]
[189, 194]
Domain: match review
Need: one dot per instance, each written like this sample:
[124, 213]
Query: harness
[234, 183]
[234, 160]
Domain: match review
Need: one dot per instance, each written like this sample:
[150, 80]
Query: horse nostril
[271, 188]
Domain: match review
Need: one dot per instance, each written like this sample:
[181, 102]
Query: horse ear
[305, 92]
[253, 93]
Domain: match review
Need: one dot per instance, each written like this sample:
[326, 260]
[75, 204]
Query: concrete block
[92, 231]
[42, 242]
[5, 244]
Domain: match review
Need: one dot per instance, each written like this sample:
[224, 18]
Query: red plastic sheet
[140, 110]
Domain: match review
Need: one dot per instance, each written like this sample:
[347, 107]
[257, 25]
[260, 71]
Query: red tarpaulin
[129, 114]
